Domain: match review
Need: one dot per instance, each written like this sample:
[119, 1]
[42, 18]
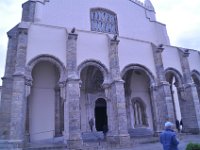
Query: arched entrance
[100, 114]
[91, 89]
[138, 97]
[45, 107]
[172, 77]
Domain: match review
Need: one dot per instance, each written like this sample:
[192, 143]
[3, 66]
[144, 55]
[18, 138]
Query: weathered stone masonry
[102, 74]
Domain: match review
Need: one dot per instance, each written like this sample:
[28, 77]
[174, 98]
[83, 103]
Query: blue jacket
[168, 140]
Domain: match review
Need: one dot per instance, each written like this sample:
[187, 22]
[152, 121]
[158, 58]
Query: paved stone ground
[183, 139]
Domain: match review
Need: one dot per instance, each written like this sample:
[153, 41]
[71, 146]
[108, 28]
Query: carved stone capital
[73, 80]
[7, 78]
[62, 84]
[106, 85]
[13, 33]
[154, 87]
[19, 74]
[72, 36]
[28, 82]
[184, 52]
[119, 81]
[114, 42]
[23, 31]
[188, 85]
[181, 89]
[160, 49]
[164, 83]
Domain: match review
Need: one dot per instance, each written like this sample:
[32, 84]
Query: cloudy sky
[182, 18]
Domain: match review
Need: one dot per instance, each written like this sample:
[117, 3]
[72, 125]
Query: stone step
[10, 145]
[47, 147]
[92, 136]
[144, 140]
[53, 144]
[140, 132]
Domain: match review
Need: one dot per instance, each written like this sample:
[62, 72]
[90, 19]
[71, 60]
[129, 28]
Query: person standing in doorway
[168, 138]
[181, 125]
[91, 124]
[177, 125]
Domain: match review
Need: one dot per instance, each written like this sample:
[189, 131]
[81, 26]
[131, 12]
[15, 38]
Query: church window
[103, 20]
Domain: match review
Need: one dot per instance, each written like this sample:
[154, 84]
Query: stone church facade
[111, 61]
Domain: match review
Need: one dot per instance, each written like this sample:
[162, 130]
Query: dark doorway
[100, 114]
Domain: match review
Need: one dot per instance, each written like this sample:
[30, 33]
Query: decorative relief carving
[103, 20]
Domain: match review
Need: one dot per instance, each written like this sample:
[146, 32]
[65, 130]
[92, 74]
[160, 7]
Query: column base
[119, 141]
[191, 130]
[11, 145]
[75, 144]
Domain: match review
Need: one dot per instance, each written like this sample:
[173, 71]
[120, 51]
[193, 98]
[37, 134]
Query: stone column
[19, 101]
[28, 85]
[73, 94]
[58, 115]
[190, 107]
[62, 91]
[13, 105]
[162, 95]
[157, 120]
[6, 96]
[120, 133]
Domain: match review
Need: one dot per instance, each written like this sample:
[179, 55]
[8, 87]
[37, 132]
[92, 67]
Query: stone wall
[72, 50]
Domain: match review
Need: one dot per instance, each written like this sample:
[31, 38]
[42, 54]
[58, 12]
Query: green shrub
[193, 146]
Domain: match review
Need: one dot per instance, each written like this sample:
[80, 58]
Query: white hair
[168, 124]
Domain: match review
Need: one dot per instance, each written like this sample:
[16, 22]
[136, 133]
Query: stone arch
[95, 63]
[177, 75]
[93, 75]
[48, 58]
[196, 79]
[139, 78]
[196, 74]
[175, 80]
[139, 67]
[55, 98]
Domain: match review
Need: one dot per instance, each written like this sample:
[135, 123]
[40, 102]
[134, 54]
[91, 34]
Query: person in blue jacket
[168, 138]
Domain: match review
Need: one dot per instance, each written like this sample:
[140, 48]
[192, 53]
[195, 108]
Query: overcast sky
[182, 18]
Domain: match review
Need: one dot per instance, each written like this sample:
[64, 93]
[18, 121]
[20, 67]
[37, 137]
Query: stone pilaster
[18, 105]
[157, 113]
[162, 94]
[73, 94]
[28, 85]
[119, 134]
[28, 11]
[6, 96]
[190, 107]
[73, 98]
